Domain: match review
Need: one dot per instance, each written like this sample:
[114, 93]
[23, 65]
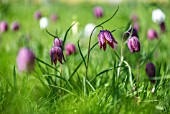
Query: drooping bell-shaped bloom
[15, 26]
[133, 44]
[70, 49]
[151, 71]
[88, 29]
[105, 37]
[56, 54]
[37, 15]
[3, 26]
[25, 60]
[136, 26]
[74, 28]
[53, 17]
[43, 23]
[134, 17]
[152, 34]
[162, 27]
[158, 16]
[98, 12]
[58, 42]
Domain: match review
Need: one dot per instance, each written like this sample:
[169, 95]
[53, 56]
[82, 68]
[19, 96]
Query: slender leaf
[81, 54]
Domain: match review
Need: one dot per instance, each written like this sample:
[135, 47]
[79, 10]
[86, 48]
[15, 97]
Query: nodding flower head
[43, 22]
[15, 26]
[70, 49]
[25, 60]
[3, 26]
[133, 44]
[134, 17]
[37, 15]
[158, 16]
[162, 27]
[98, 11]
[56, 53]
[105, 37]
[58, 42]
[53, 17]
[151, 71]
[152, 34]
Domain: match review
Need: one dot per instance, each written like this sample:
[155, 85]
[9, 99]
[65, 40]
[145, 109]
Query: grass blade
[81, 54]
[66, 35]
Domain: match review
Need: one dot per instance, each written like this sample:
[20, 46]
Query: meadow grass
[45, 90]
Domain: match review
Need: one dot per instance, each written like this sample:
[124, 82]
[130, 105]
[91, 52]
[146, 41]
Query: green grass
[41, 91]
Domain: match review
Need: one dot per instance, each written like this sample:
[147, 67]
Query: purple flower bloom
[70, 49]
[53, 17]
[58, 42]
[134, 17]
[25, 60]
[151, 71]
[162, 27]
[136, 26]
[152, 34]
[15, 26]
[37, 15]
[133, 44]
[56, 53]
[105, 37]
[98, 12]
[3, 26]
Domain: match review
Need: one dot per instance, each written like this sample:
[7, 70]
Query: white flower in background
[75, 27]
[88, 29]
[43, 23]
[158, 16]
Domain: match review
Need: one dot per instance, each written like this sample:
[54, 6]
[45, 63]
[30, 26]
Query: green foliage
[60, 88]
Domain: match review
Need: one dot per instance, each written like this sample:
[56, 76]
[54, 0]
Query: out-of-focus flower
[105, 37]
[98, 11]
[56, 53]
[88, 29]
[58, 42]
[75, 27]
[134, 33]
[25, 60]
[37, 15]
[151, 71]
[133, 44]
[70, 49]
[15, 26]
[53, 17]
[43, 23]
[134, 17]
[152, 34]
[158, 16]
[136, 26]
[3, 26]
[162, 27]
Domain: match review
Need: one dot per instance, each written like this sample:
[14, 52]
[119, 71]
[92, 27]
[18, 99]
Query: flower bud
[152, 34]
[98, 12]
[15, 26]
[151, 71]
[70, 49]
[25, 60]
[58, 42]
[133, 44]
[3, 26]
